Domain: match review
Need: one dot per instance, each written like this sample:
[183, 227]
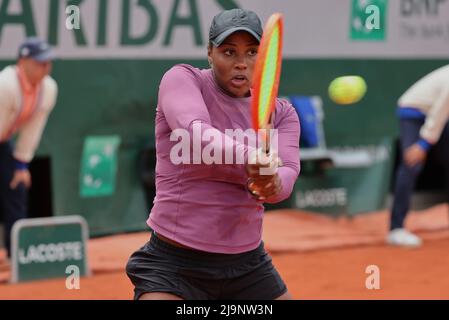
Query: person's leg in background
[13, 202]
[404, 186]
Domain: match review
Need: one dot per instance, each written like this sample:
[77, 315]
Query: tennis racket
[266, 78]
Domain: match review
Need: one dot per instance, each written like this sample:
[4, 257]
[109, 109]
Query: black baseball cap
[227, 22]
[36, 49]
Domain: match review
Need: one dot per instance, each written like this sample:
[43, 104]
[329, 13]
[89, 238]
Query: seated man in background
[27, 96]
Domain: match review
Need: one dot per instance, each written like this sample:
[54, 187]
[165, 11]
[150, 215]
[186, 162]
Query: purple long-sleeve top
[207, 206]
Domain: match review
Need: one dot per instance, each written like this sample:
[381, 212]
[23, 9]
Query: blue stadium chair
[311, 118]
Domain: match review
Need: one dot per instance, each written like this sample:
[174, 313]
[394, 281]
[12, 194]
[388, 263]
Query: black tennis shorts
[195, 275]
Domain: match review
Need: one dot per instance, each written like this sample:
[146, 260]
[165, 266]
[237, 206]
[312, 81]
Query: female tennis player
[206, 221]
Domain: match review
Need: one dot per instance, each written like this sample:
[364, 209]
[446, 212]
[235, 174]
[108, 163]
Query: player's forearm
[288, 178]
[436, 119]
[29, 138]
[3, 124]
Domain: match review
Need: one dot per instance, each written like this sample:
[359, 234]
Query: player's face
[233, 63]
[35, 70]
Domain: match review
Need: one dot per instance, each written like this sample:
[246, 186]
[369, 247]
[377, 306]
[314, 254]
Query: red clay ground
[318, 257]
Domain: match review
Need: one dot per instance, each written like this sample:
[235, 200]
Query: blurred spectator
[27, 96]
[424, 114]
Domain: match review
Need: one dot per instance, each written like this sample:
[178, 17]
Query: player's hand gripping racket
[266, 78]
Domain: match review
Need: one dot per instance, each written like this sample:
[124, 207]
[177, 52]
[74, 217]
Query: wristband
[20, 165]
[424, 144]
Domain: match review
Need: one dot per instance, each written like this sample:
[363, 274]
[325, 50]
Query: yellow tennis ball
[347, 89]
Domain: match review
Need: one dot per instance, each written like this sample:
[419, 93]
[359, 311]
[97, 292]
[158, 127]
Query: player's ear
[209, 48]
[209, 54]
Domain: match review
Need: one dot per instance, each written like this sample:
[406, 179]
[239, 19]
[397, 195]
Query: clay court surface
[319, 258]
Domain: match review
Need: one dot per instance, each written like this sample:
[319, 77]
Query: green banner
[46, 247]
[99, 166]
